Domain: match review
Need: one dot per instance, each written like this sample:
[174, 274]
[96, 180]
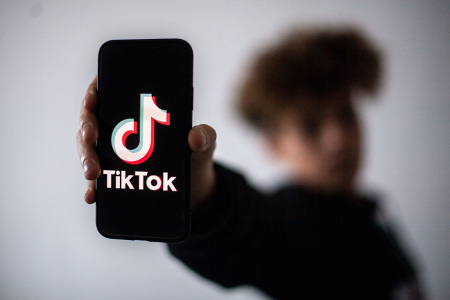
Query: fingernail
[205, 140]
[85, 128]
[88, 164]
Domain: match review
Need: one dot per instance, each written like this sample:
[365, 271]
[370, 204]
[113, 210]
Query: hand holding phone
[201, 141]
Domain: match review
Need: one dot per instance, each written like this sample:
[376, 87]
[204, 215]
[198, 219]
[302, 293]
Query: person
[317, 237]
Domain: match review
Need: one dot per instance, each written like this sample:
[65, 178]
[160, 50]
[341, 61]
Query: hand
[86, 137]
[201, 139]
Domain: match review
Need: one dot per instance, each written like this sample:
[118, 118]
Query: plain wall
[50, 248]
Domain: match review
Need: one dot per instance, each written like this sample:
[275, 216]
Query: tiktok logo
[149, 113]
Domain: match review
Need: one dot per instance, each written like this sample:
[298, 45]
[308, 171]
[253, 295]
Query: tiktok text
[153, 182]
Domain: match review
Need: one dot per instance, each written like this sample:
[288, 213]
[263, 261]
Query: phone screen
[145, 114]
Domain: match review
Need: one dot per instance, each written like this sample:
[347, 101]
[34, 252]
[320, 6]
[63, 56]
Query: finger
[88, 120]
[88, 158]
[89, 196]
[90, 99]
[88, 127]
[202, 140]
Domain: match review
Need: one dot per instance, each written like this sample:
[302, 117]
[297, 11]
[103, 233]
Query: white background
[50, 248]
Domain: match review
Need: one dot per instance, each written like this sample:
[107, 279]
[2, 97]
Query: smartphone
[144, 116]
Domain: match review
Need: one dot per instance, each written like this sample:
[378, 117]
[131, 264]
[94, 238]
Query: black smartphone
[144, 116]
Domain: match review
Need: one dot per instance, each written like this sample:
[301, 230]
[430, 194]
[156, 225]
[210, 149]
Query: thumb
[202, 141]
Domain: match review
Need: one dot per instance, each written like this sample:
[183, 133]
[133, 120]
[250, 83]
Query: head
[301, 95]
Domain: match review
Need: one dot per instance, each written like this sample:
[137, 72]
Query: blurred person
[316, 237]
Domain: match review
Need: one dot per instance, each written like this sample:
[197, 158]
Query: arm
[230, 241]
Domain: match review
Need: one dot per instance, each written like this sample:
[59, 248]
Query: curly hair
[308, 64]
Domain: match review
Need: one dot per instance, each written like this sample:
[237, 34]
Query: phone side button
[192, 98]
